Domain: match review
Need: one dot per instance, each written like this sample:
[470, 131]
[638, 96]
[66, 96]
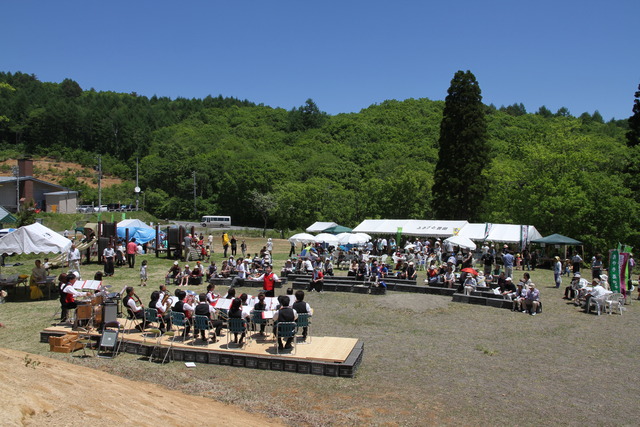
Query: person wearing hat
[469, 284]
[531, 301]
[184, 277]
[509, 290]
[557, 271]
[575, 288]
[518, 297]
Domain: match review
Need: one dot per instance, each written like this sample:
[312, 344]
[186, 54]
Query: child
[143, 273]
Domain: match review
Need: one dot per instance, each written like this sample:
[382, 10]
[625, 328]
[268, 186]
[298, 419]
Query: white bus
[215, 221]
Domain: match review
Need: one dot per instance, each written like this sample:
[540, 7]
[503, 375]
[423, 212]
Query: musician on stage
[136, 311]
[285, 314]
[69, 294]
[206, 309]
[260, 306]
[270, 279]
[163, 313]
[182, 306]
[211, 295]
[301, 307]
[235, 312]
[163, 292]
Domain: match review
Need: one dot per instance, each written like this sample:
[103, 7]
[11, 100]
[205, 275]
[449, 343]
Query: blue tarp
[138, 229]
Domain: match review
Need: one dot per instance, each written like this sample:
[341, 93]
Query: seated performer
[163, 313]
[207, 310]
[184, 307]
[301, 307]
[69, 294]
[135, 311]
[284, 314]
[235, 312]
[211, 296]
[260, 306]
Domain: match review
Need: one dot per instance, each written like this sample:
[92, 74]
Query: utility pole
[137, 189]
[99, 187]
[195, 211]
[16, 173]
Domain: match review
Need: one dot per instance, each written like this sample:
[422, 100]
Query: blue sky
[345, 55]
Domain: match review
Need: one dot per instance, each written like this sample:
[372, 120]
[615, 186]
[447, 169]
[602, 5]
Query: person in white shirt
[470, 284]
[241, 273]
[597, 291]
[73, 258]
[69, 294]
[109, 255]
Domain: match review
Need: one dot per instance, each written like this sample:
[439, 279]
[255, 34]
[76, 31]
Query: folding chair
[256, 319]
[201, 323]
[286, 330]
[150, 316]
[304, 321]
[179, 319]
[109, 343]
[237, 326]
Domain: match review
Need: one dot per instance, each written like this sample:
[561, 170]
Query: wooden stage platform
[330, 356]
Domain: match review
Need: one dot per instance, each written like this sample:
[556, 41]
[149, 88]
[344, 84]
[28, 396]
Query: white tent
[503, 233]
[34, 238]
[319, 227]
[411, 227]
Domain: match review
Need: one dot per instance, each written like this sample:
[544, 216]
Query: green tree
[459, 183]
[306, 117]
[544, 112]
[265, 204]
[633, 136]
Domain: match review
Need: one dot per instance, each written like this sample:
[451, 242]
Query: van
[215, 221]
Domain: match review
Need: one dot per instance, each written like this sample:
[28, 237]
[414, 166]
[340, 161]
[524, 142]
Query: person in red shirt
[270, 280]
[132, 248]
[317, 281]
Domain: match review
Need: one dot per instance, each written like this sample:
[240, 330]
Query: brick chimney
[25, 168]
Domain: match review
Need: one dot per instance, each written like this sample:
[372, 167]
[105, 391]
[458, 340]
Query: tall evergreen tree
[459, 185]
[633, 136]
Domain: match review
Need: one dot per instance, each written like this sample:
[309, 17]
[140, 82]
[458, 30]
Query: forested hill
[560, 173]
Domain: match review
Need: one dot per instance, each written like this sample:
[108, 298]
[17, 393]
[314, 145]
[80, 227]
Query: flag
[614, 270]
[487, 230]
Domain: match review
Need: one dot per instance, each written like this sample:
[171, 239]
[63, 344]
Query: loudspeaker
[110, 312]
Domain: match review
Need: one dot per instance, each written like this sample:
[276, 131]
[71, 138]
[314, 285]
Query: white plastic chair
[598, 303]
[614, 301]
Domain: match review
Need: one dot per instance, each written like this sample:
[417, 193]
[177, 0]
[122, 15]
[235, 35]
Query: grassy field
[427, 360]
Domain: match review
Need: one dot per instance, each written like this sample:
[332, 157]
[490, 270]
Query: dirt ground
[38, 390]
[53, 171]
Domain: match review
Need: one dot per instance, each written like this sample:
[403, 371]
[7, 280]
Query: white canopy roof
[507, 233]
[319, 227]
[503, 233]
[412, 227]
[34, 238]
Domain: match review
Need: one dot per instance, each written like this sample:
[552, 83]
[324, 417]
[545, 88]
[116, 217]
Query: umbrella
[353, 239]
[463, 242]
[302, 238]
[470, 271]
[410, 246]
[326, 238]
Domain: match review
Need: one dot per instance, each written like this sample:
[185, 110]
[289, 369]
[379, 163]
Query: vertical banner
[398, 236]
[456, 231]
[124, 216]
[624, 262]
[487, 230]
[614, 270]
[524, 237]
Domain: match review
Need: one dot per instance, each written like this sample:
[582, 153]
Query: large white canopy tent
[411, 227]
[503, 233]
[34, 238]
